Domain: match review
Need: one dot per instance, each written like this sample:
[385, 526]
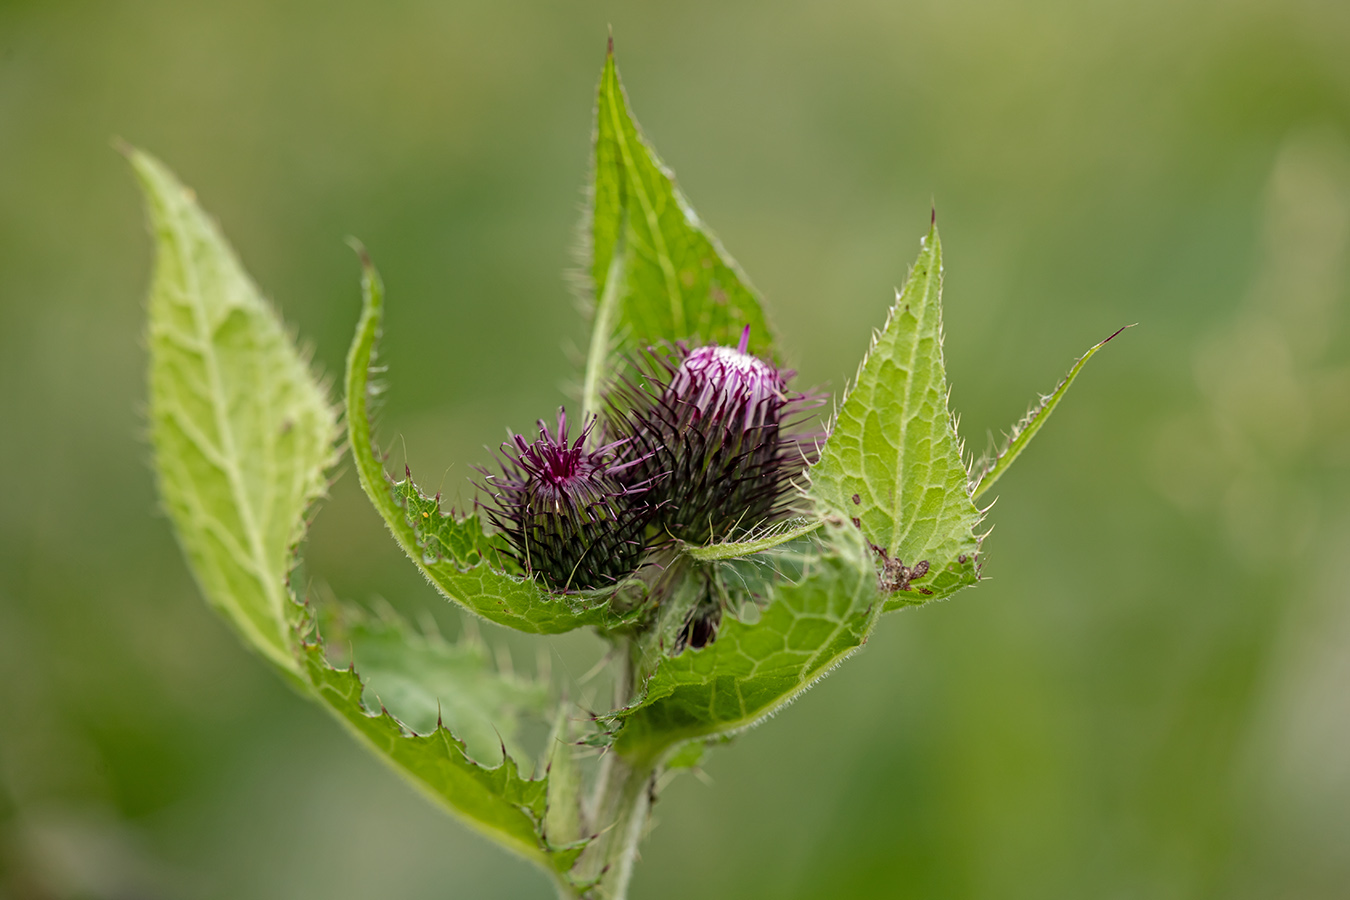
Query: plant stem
[622, 803]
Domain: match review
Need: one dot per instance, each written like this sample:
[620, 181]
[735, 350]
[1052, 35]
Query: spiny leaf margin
[497, 801]
[819, 601]
[657, 274]
[992, 467]
[892, 464]
[242, 432]
[454, 554]
[422, 678]
[199, 284]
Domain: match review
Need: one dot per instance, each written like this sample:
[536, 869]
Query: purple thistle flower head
[713, 432]
[722, 382]
[566, 512]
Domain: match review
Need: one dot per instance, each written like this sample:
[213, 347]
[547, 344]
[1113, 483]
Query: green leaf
[892, 464]
[498, 801]
[658, 274]
[817, 603]
[764, 539]
[454, 553]
[991, 468]
[423, 679]
[243, 436]
[242, 432]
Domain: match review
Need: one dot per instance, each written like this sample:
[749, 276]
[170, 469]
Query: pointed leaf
[991, 468]
[242, 432]
[766, 539]
[454, 553]
[658, 274]
[892, 463]
[820, 602]
[242, 437]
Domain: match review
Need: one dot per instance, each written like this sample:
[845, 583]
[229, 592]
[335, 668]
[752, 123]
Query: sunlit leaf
[452, 551]
[243, 437]
[658, 273]
[892, 464]
[242, 432]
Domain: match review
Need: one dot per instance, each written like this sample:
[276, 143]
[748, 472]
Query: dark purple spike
[714, 433]
[563, 510]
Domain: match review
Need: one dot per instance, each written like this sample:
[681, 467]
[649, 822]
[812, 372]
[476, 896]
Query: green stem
[622, 803]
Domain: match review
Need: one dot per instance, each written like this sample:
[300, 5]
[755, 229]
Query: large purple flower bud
[711, 431]
[566, 511]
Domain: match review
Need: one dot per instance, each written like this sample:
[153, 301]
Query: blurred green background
[1149, 698]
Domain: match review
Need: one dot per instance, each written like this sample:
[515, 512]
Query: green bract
[708, 640]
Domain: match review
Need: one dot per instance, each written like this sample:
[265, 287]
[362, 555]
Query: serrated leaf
[242, 432]
[991, 468]
[437, 711]
[892, 463]
[242, 438]
[658, 274]
[819, 603]
[423, 679]
[454, 553]
[498, 801]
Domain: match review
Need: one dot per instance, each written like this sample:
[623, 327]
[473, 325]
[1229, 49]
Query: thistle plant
[728, 543]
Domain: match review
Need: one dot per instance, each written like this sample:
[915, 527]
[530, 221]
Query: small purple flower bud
[564, 511]
[711, 431]
[716, 381]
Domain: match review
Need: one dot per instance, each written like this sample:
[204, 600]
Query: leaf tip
[609, 48]
[1119, 330]
[361, 252]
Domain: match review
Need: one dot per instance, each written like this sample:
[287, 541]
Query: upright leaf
[242, 432]
[892, 463]
[453, 553]
[991, 467]
[243, 437]
[658, 274]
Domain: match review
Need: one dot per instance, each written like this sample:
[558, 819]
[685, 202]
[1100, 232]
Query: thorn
[122, 147]
[932, 222]
[407, 471]
[609, 50]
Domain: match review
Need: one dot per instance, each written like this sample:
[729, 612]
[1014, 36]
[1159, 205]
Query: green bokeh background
[1149, 698]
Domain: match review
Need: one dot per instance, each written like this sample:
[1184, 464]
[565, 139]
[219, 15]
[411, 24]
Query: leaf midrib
[648, 212]
[229, 450]
[898, 537]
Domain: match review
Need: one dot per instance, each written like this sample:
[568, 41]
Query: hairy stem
[621, 804]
